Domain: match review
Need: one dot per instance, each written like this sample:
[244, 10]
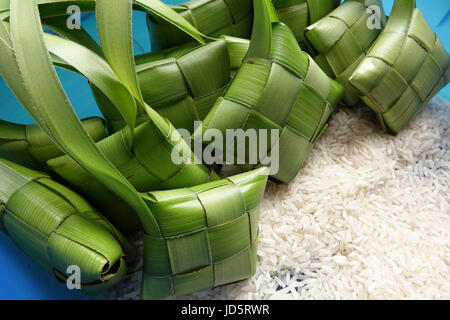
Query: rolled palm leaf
[209, 236]
[59, 229]
[28, 145]
[211, 17]
[298, 14]
[277, 87]
[403, 70]
[147, 165]
[189, 80]
[340, 41]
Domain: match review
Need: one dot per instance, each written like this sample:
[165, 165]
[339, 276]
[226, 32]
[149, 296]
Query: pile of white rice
[368, 217]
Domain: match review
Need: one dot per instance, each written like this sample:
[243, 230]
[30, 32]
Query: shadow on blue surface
[22, 278]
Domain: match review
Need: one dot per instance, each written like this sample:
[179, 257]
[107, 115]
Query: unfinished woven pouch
[189, 80]
[298, 14]
[339, 41]
[28, 145]
[404, 69]
[209, 236]
[147, 165]
[58, 229]
[211, 17]
[278, 87]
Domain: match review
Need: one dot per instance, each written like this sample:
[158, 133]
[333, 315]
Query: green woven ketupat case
[147, 165]
[213, 18]
[278, 87]
[58, 229]
[209, 236]
[340, 40]
[181, 83]
[298, 14]
[404, 69]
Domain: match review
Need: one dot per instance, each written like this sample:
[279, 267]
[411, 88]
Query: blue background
[21, 277]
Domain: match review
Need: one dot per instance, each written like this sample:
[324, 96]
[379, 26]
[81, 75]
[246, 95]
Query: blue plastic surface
[22, 278]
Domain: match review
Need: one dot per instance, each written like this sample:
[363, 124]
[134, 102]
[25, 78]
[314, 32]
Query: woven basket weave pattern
[211, 17]
[299, 110]
[220, 228]
[190, 78]
[340, 41]
[148, 166]
[409, 85]
[298, 14]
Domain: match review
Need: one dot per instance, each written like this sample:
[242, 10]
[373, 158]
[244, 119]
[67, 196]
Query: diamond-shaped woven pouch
[404, 69]
[209, 236]
[181, 83]
[298, 14]
[148, 166]
[277, 87]
[57, 228]
[340, 41]
[211, 17]
[28, 145]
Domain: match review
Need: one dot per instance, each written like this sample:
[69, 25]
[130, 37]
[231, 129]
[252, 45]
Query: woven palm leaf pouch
[147, 165]
[28, 145]
[404, 69]
[209, 235]
[298, 14]
[58, 229]
[181, 83]
[340, 40]
[278, 87]
[213, 18]
[146, 161]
